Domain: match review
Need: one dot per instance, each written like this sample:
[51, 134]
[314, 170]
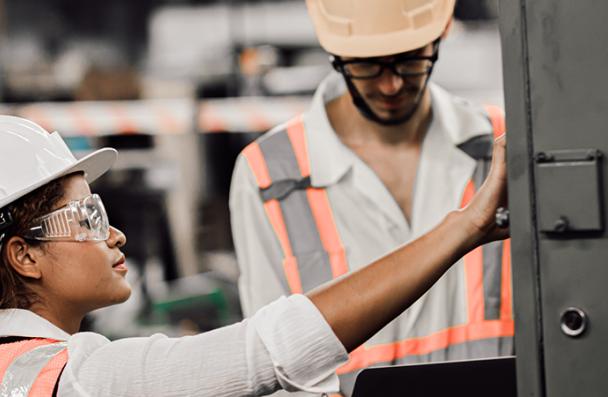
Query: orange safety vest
[31, 367]
[302, 219]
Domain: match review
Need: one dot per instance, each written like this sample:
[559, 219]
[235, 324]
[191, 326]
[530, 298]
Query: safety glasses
[404, 65]
[81, 220]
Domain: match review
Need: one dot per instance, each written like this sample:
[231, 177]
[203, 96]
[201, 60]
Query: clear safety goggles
[81, 220]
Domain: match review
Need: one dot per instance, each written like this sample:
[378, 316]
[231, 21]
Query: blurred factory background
[180, 87]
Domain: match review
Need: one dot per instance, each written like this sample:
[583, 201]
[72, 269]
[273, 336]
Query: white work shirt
[369, 220]
[286, 344]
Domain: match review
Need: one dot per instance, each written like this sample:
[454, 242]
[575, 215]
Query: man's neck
[354, 130]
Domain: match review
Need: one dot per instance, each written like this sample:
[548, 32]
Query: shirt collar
[458, 118]
[330, 159]
[19, 322]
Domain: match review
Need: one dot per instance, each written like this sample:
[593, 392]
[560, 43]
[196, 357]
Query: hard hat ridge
[371, 28]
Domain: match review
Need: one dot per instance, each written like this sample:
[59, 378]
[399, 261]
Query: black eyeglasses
[405, 65]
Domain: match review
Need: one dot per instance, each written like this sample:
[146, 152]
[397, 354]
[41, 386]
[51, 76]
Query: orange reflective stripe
[297, 136]
[497, 117]
[473, 265]
[319, 202]
[256, 161]
[290, 264]
[49, 375]
[365, 356]
[506, 310]
[328, 231]
[10, 351]
[473, 269]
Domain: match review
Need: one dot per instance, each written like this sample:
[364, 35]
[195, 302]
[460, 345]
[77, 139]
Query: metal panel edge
[524, 246]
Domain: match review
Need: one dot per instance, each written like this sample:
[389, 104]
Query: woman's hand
[480, 214]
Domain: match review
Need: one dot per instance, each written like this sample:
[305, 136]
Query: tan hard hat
[371, 28]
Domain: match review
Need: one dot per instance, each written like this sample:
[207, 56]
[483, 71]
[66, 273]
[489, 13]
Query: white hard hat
[30, 157]
[371, 28]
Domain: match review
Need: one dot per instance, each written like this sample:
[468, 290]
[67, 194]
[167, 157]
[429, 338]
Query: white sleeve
[286, 344]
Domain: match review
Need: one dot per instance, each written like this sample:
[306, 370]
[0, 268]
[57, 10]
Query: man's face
[391, 96]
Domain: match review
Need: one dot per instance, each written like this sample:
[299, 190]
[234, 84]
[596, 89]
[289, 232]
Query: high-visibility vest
[31, 367]
[302, 219]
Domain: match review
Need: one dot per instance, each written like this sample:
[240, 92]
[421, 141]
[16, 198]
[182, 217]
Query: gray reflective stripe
[23, 371]
[492, 279]
[492, 257]
[280, 158]
[313, 261]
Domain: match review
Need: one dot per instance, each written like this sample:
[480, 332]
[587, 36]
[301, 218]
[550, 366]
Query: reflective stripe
[297, 136]
[365, 356]
[49, 376]
[24, 370]
[497, 118]
[506, 303]
[257, 163]
[319, 202]
[303, 222]
[473, 265]
[487, 277]
[328, 231]
[313, 264]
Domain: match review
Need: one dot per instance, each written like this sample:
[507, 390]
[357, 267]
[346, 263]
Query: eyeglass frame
[339, 64]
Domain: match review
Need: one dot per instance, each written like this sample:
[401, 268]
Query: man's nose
[389, 83]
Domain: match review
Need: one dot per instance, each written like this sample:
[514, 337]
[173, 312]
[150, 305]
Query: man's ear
[23, 257]
[447, 29]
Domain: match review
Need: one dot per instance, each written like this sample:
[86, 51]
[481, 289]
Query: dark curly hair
[14, 293]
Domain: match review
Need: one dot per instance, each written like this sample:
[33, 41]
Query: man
[380, 157]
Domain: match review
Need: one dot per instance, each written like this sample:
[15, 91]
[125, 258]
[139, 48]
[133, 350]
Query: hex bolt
[561, 225]
[502, 217]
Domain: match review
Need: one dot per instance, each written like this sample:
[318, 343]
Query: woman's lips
[120, 265]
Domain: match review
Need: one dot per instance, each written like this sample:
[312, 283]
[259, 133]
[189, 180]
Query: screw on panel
[561, 225]
[502, 217]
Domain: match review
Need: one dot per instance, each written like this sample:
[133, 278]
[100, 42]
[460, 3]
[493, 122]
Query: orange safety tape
[297, 137]
[319, 202]
[365, 356]
[497, 117]
[10, 351]
[328, 232]
[256, 161]
[124, 123]
[49, 375]
[473, 267]
[506, 309]
[167, 121]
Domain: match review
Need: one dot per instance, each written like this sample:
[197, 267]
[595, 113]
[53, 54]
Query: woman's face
[83, 276]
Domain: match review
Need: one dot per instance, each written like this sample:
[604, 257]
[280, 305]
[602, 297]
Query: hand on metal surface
[487, 214]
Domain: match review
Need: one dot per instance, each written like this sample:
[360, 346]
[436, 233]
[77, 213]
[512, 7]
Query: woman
[60, 259]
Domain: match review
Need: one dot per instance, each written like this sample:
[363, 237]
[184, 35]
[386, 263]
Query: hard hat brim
[93, 165]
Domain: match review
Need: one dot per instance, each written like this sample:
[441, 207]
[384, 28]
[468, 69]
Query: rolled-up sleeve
[286, 344]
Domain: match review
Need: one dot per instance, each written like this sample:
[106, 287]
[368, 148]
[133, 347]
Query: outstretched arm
[359, 305]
